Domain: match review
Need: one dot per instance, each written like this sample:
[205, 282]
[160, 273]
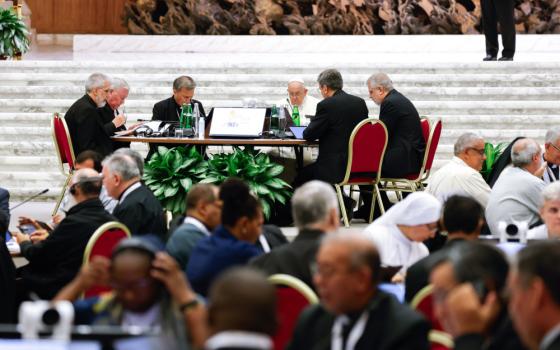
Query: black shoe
[489, 58]
[505, 58]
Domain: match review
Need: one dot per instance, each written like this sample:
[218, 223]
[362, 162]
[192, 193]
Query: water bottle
[282, 121]
[274, 122]
[200, 123]
[295, 116]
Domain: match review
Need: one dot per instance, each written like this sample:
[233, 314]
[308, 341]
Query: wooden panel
[77, 16]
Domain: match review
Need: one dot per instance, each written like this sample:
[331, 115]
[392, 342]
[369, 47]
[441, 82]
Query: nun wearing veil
[399, 233]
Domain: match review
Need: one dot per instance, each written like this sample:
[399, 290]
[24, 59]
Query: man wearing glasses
[461, 175]
[84, 119]
[551, 155]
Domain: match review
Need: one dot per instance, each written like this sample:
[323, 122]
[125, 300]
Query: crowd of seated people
[204, 283]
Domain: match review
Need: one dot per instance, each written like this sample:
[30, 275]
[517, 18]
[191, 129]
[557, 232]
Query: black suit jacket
[405, 147]
[7, 282]
[142, 213]
[86, 127]
[293, 259]
[169, 110]
[336, 118]
[5, 202]
[274, 237]
[55, 261]
[390, 326]
[107, 116]
[555, 345]
[418, 275]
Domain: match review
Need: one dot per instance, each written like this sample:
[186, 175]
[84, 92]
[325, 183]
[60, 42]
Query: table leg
[299, 157]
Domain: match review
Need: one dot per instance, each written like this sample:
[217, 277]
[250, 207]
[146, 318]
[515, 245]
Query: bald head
[242, 300]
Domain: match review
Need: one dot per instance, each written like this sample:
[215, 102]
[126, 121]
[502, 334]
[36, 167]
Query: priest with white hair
[298, 96]
[399, 233]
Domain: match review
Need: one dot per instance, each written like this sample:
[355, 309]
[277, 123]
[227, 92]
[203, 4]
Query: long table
[265, 142]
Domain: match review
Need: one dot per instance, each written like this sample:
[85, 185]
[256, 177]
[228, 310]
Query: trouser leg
[490, 26]
[506, 18]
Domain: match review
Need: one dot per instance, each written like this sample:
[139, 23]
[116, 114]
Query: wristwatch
[189, 305]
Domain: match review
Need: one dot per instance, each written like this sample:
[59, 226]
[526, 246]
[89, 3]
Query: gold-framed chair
[64, 151]
[366, 149]
[415, 182]
[101, 243]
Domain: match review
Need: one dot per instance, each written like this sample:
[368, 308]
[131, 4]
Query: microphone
[30, 198]
[289, 104]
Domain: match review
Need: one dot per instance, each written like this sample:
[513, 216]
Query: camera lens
[51, 317]
[512, 229]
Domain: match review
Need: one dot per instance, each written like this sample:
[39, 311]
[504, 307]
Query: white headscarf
[418, 208]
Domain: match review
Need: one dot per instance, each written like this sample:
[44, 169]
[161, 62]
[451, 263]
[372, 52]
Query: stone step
[275, 63]
[272, 93]
[272, 79]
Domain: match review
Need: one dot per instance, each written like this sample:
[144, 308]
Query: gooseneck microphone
[30, 198]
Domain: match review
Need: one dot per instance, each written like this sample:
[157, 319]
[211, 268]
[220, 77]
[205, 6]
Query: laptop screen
[297, 131]
[237, 122]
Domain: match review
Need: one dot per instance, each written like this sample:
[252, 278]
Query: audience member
[5, 203]
[298, 96]
[137, 206]
[399, 233]
[462, 219]
[494, 12]
[233, 242]
[336, 117]
[54, 259]
[516, 196]
[315, 212]
[7, 275]
[149, 290]
[242, 311]
[405, 144]
[534, 302]
[84, 118]
[169, 109]
[468, 298]
[204, 211]
[354, 313]
[462, 174]
[550, 214]
[271, 237]
[113, 120]
[551, 155]
[136, 157]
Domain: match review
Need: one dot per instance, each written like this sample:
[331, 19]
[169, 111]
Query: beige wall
[77, 16]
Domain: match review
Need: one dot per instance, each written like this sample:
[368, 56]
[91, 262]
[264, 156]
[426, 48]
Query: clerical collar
[128, 190]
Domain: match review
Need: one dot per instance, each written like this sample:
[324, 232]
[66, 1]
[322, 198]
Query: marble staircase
[500, 100]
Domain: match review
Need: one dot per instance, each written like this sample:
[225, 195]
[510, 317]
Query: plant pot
[3, 58]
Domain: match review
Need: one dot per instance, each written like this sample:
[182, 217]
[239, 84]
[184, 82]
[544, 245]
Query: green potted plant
[170, 173]
[254, 168]
[14, 36]
[492, 152]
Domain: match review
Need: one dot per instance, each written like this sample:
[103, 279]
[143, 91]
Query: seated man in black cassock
[84, 120]
[170, 108]
[335, 119]
[354, 313]
[405, 144]
[113, 119]
[137, 206]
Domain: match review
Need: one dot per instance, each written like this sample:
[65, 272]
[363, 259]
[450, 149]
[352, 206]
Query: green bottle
[295, 116]
[274, 122]
[189, 117]
[182, 116]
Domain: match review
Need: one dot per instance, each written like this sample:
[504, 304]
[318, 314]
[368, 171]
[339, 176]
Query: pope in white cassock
[298, 96]
[399, 233]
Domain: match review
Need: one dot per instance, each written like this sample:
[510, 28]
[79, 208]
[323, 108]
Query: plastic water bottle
[282, 121]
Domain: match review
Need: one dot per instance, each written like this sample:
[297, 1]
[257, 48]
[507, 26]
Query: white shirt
[199, 225]
[394, 247]
[539, 232]
[239, 339]
[147, 319]
[456, 177]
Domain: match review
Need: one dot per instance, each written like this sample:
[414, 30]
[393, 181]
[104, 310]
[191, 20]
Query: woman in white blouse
[399, 233]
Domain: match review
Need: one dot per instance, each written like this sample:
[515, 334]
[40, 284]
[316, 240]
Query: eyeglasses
[479, 151]
[555, 147]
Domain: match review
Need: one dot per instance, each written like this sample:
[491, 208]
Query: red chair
[292, 297]
[64, 151]
[414, 182]
[440, 340]
[423, 303]
[102, 242]
[366, 149]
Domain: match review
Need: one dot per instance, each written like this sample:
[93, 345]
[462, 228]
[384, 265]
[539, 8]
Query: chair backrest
[423, 303]
[292, 296]
[429, 154]
[102, 242]
[366, 149]
[62, 142]
[425, 125]
[440, 340]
